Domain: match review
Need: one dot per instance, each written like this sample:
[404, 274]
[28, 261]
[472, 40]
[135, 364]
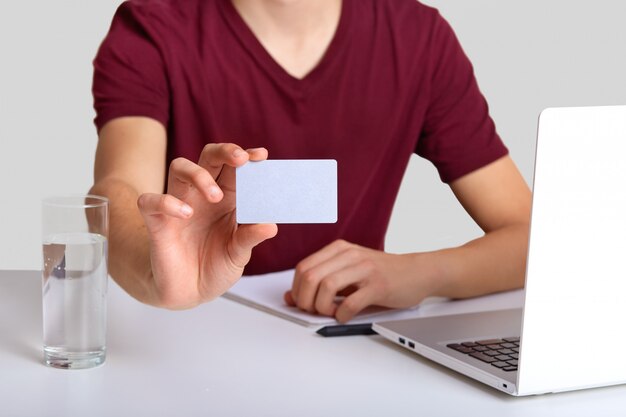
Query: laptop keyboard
[501, 353]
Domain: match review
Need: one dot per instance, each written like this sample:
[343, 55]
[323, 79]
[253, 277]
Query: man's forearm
[492, 263]
[129, 253]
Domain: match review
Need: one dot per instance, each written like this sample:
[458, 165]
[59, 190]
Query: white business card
[287, 191]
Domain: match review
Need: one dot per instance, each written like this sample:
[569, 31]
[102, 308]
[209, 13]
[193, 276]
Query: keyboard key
[495, 346]
[503, 357]
[489, 342]
[479, 348]
[500, 364]
[506, 351]
[514, 355]
[491, 352]
[469, 344]
[511, 339]
[509, 368]
[508, 345]
[513, 362]
[483, 357]
[460, 348]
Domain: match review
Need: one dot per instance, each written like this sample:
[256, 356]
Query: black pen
[346, 330]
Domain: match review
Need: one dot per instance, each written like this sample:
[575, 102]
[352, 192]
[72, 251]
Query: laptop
[570, 333]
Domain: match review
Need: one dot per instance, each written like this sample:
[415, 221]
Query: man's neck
[296, 33]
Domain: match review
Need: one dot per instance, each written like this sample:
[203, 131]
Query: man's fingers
[257, 154]
[246, 237]
[305, 266]
[215, 155]
[353, 304]
[347, 291]
[227, 175]
[328, 276]
[184, 175]
[327, 252]
[163, 204]
[289, 299]
[333, 285]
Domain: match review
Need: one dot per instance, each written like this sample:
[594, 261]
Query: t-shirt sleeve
[129, 77]
[458, 135]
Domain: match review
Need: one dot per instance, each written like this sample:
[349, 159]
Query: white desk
[225, 359]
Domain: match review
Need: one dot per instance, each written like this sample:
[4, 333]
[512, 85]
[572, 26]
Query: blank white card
[287, 191]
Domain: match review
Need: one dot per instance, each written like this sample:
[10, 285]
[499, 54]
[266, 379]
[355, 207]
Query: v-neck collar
[298, 86]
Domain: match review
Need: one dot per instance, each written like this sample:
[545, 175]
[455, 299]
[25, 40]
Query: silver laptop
[571, 332]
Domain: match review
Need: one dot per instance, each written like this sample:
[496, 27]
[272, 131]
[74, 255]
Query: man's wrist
[427, 272]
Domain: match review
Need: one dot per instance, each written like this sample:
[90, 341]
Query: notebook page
[265, 292]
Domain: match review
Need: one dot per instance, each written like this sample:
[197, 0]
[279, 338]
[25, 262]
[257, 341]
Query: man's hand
[496, 197]
[197, 249]
[360, 275]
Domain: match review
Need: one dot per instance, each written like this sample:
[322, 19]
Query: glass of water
[75, 274]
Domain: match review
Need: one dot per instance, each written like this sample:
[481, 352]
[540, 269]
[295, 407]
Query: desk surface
[226, 359]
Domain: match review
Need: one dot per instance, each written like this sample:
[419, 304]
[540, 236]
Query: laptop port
[412, 345]
[401, 340]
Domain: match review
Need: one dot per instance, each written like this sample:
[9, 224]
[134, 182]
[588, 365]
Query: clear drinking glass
[75, 275]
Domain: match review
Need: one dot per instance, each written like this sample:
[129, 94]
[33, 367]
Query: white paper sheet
[265, 292]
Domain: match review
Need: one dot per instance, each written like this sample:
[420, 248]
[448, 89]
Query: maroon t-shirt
[393, 81]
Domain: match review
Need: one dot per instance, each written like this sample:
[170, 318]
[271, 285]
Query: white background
[527, 56]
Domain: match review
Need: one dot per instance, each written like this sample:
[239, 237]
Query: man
[365, 82]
